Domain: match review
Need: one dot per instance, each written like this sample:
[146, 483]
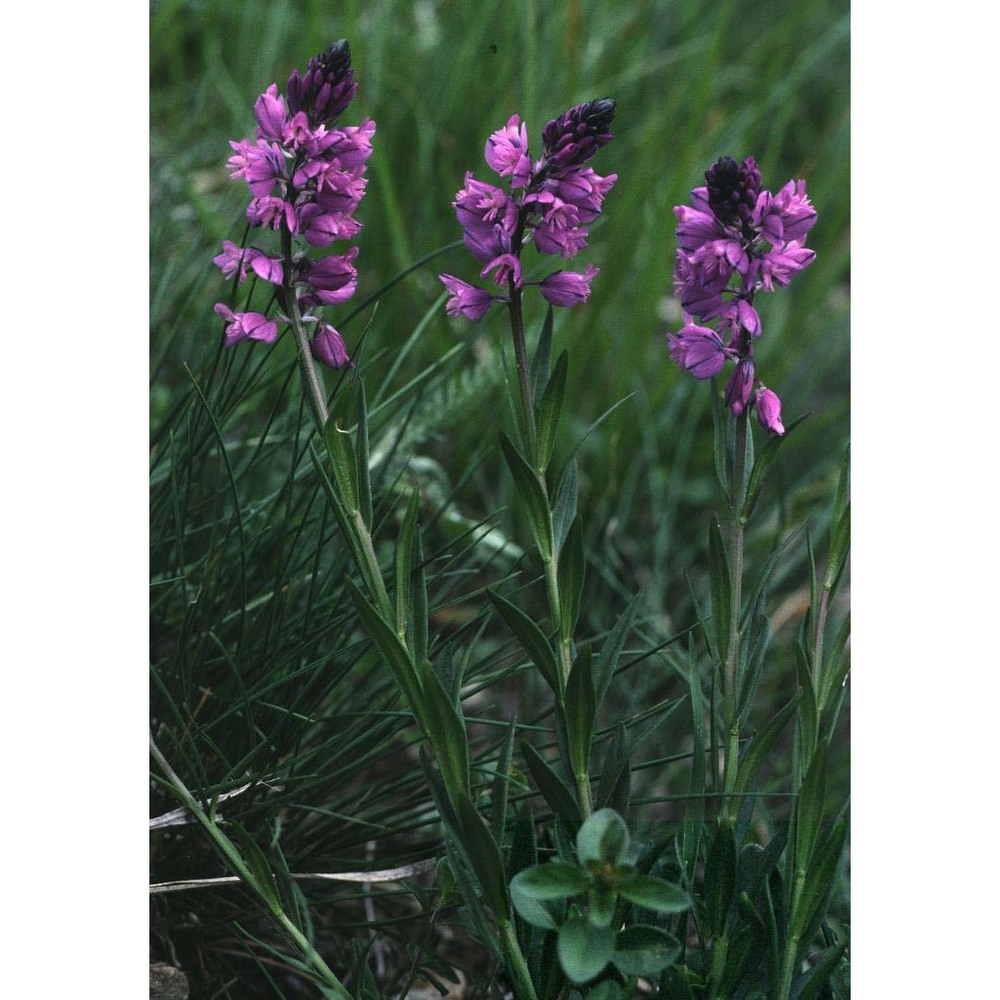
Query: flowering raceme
[549, 203]
[735, 239]
[306, 179]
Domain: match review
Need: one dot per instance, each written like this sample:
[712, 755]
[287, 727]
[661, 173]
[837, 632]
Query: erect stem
[737, 492]
[521, 354]
[317, 394]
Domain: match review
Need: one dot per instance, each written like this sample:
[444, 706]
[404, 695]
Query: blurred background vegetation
[693, 81]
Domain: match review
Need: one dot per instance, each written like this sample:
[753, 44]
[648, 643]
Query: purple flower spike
[306, 178]
[769, 411]
[548, 204]
[734, 240]
[466, 300]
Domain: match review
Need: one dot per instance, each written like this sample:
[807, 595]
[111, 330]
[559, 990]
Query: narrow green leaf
[564, 509]
[836, 666]
[759, 747]
[843, 485]
[540, 360]
[810, 985]
[500, 789]
[654, 893]
[840, 547]
[720, 878]
[535, 507]
[694, 815]
[807, 716]
[581, 710]
[643, 950]
[758, 633]
[361, 454]
[569, 578]
[531, 638]
[611, 650]
[549, 410]
[819, 881]
[445, 728]
[762, 466]
[484, 855]
[810, 807]
[419, 613]
[721, 588]
[345, 465]
[720, 428]
[404, 552]
[584, 950]
[615, 772]
[392, 649]
[557, 796]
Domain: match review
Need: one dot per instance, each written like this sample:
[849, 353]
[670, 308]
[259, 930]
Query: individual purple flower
[567, 288]
[507, 152]
[699, 350]
[246, 326]
[466, 300]
[549, 204]
[769, 411]
[305, 175]
[328, 347]
[734, 240]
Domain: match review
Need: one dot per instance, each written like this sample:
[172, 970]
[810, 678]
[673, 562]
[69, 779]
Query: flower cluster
[549, 203]
[734, 240]
[306, 178]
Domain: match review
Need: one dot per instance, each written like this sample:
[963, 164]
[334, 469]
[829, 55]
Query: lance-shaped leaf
[361, 455]
[840, 546]
[557, 796]
[762, 466]
[810, 807]
[532, 639]
[569, 577]
[611, 650]
[818, 886]
[721, 587]
[392, 649]
[603, 839]
[500, 789]
[485, 856]
[564, 509]
[533, 501]
[807, 717]
[540, 360]
[614, 786]
[581, 710]
[345, 465]
[404, 553]
[548, 412]
[720, 877]
[759, 747]
[445, 728]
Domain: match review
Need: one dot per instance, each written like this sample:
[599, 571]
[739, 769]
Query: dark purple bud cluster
[576, 135]
[327, 86]
[733, 189]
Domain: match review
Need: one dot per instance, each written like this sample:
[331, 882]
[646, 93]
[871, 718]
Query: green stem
[737, 493]
[317, 394]
[551, 562]
[517, 966]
